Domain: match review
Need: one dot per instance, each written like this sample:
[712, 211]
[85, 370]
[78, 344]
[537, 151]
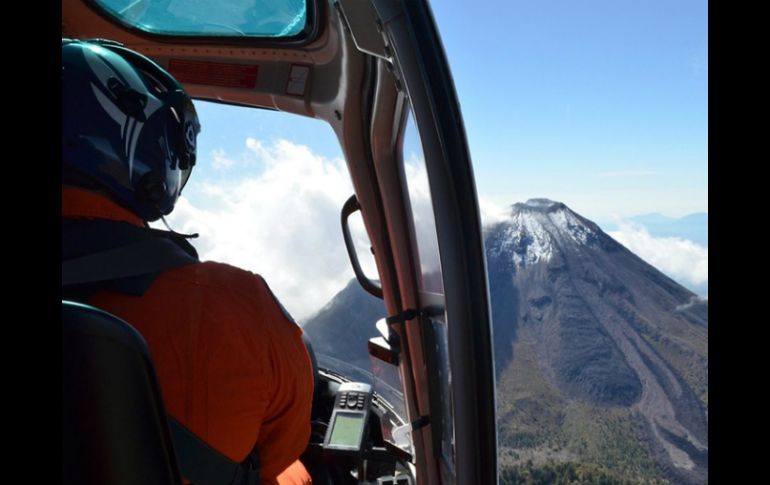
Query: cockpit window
[421, 206]
[273, 19]
[431, 288]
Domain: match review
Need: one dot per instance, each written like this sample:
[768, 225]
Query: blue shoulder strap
[117, 256]
[150, 256]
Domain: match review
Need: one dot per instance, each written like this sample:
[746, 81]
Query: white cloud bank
[681, 259]
[282, 223]
[492, 213]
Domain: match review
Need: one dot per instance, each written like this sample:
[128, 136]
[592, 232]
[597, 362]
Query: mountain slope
[601, 334]
[346, 322]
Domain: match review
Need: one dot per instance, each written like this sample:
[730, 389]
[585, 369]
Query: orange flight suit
[231, 366]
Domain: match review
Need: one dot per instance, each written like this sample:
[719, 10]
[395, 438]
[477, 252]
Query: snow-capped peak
[537, 227]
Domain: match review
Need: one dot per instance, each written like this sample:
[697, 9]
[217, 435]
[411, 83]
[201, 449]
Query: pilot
[231, 363]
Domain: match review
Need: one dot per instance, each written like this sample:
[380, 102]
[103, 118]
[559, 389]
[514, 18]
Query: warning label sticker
[297, 80]
[214, 73]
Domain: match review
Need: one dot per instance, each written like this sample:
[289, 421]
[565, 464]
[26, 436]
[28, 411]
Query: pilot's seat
[114, 425]
[115, 429]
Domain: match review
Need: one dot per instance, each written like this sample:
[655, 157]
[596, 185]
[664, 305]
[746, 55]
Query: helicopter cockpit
[373, 70]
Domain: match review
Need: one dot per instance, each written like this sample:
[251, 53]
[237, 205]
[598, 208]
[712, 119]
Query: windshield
[266, 196]
[251, 18]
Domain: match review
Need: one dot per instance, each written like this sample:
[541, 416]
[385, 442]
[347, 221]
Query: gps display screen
[347, 430]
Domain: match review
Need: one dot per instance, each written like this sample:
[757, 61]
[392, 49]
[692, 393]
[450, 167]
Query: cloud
[220, 161]
[681, 259]
[492, 213]
[283, 220]
[282, 223]
[693, 301]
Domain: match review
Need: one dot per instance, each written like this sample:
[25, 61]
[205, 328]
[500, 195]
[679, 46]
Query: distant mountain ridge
[600, 357]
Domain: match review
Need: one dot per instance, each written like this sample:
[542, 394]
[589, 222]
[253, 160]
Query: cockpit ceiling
[299, 69]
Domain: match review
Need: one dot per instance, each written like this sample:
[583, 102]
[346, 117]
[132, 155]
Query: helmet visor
[182, 131]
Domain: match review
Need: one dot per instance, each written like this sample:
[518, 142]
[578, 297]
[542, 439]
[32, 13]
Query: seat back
[114, 423]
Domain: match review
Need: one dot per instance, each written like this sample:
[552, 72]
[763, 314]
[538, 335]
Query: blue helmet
[128, 127]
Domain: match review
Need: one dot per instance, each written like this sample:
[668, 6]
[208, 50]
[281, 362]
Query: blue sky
[602, 105]
[585, 97]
